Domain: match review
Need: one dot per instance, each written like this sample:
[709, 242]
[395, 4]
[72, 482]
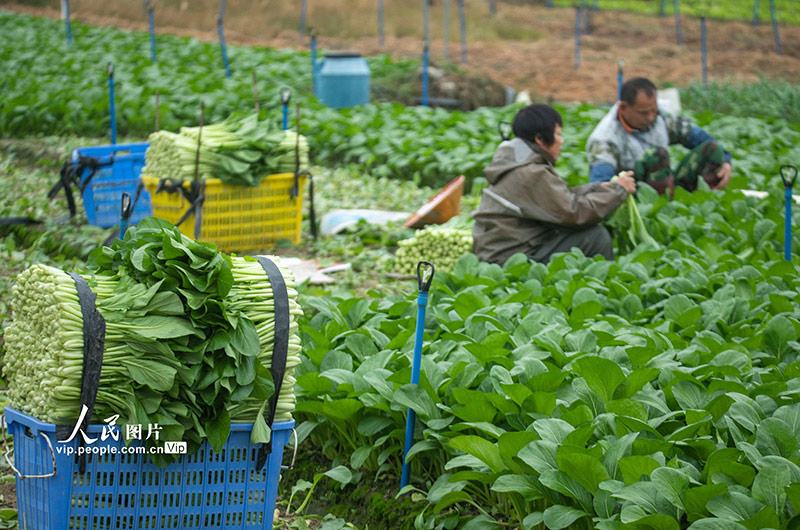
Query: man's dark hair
[632, 87]
[537, 121]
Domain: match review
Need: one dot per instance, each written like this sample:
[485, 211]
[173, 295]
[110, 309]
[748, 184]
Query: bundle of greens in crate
[241, 151]
[189, 335]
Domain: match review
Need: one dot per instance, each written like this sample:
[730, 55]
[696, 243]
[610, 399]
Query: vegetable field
[657, 391]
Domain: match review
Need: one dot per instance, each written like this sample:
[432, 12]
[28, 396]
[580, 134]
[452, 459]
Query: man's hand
[626, 180]
[724, 174]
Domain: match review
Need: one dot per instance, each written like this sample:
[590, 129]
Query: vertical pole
[446, 30]
[380, 24]
[111, 105]
[549, 4]
[314, 65]
[620, 68]
[221, 31]
[678, 32]
[755, 13]
[425, 53]
[67, 21]
[587, 18]
[303, 10]
[704, 49]
[286, 95]
[462, 25]
[787, 232]
[426, 16]
[492, 7]
[662, 11]
[151, 18]
[775, 32]
[577, 37]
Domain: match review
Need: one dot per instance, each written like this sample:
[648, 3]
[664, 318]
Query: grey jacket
[527, 203]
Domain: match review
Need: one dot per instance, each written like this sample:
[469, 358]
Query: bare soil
[540, 59]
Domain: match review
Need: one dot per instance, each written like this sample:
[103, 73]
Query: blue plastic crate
[102, 198]
[206, 490]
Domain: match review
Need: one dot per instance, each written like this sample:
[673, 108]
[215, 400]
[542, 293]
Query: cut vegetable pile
[188, 341]
[241, 151]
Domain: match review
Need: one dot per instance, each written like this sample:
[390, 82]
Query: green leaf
[558, 516]
[769, 486]
[218, 430]
[483, 450]
[713, 523]
[340, 474]
[602, 375]
[697, 498]
[585, 469]
[525, 485]
[481, 522]
[778, 333]
[657, 521]
[672, 484]
[156, 375]
[633, 468]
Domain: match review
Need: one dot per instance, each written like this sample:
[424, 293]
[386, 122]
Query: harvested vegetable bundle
[628, 226]
[239, 151]
[440, 244]
[180, 347]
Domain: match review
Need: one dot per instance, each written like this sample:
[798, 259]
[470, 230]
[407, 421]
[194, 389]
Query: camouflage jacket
[610, 143]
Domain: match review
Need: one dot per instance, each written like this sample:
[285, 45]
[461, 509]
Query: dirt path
[737, 51]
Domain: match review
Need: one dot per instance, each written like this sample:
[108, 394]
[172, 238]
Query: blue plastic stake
[380, 23]
[620, 68]
[704, 49]
[286, 95]
[775, 32]
[151, 17]
[755, 13]
[425, 53]
[221, 31]
[422, 302]
[68, 22]
[314, 66]
[112, 106]
[678, 32]
[446, 30]
[462, 25]
[577, 37]
[303, 13]
[787, 193]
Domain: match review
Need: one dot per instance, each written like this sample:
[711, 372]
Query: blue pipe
[303, 9]
[620, 66]
[152, 20]
[314, 65]
[221, 31]
[425, 76]
[755, 13]
[577, 38]
[112, 106]
[775, 32]
[380, 23]
[678, 32]
[704, 49]
[462, 25]
[787, 233]
[286, 95]
[422, 302]
[68, 22]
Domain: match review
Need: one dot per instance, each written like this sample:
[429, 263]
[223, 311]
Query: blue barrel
[343, 79]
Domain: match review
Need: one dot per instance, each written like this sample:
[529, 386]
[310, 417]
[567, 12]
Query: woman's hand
[626, 180]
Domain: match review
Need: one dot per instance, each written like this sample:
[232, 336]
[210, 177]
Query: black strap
[10, 221]
[195, 195]
[280, 345]
[70, 175]
[94, 335]
[312, 214]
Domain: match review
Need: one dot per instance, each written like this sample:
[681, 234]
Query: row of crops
[659, 391]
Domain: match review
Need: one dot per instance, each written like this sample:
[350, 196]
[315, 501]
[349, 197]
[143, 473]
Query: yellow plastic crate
[237, 218]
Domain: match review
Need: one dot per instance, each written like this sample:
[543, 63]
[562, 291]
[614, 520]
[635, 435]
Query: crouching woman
[528, 208]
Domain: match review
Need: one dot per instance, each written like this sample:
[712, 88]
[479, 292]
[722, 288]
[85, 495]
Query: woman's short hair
[537, 121]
